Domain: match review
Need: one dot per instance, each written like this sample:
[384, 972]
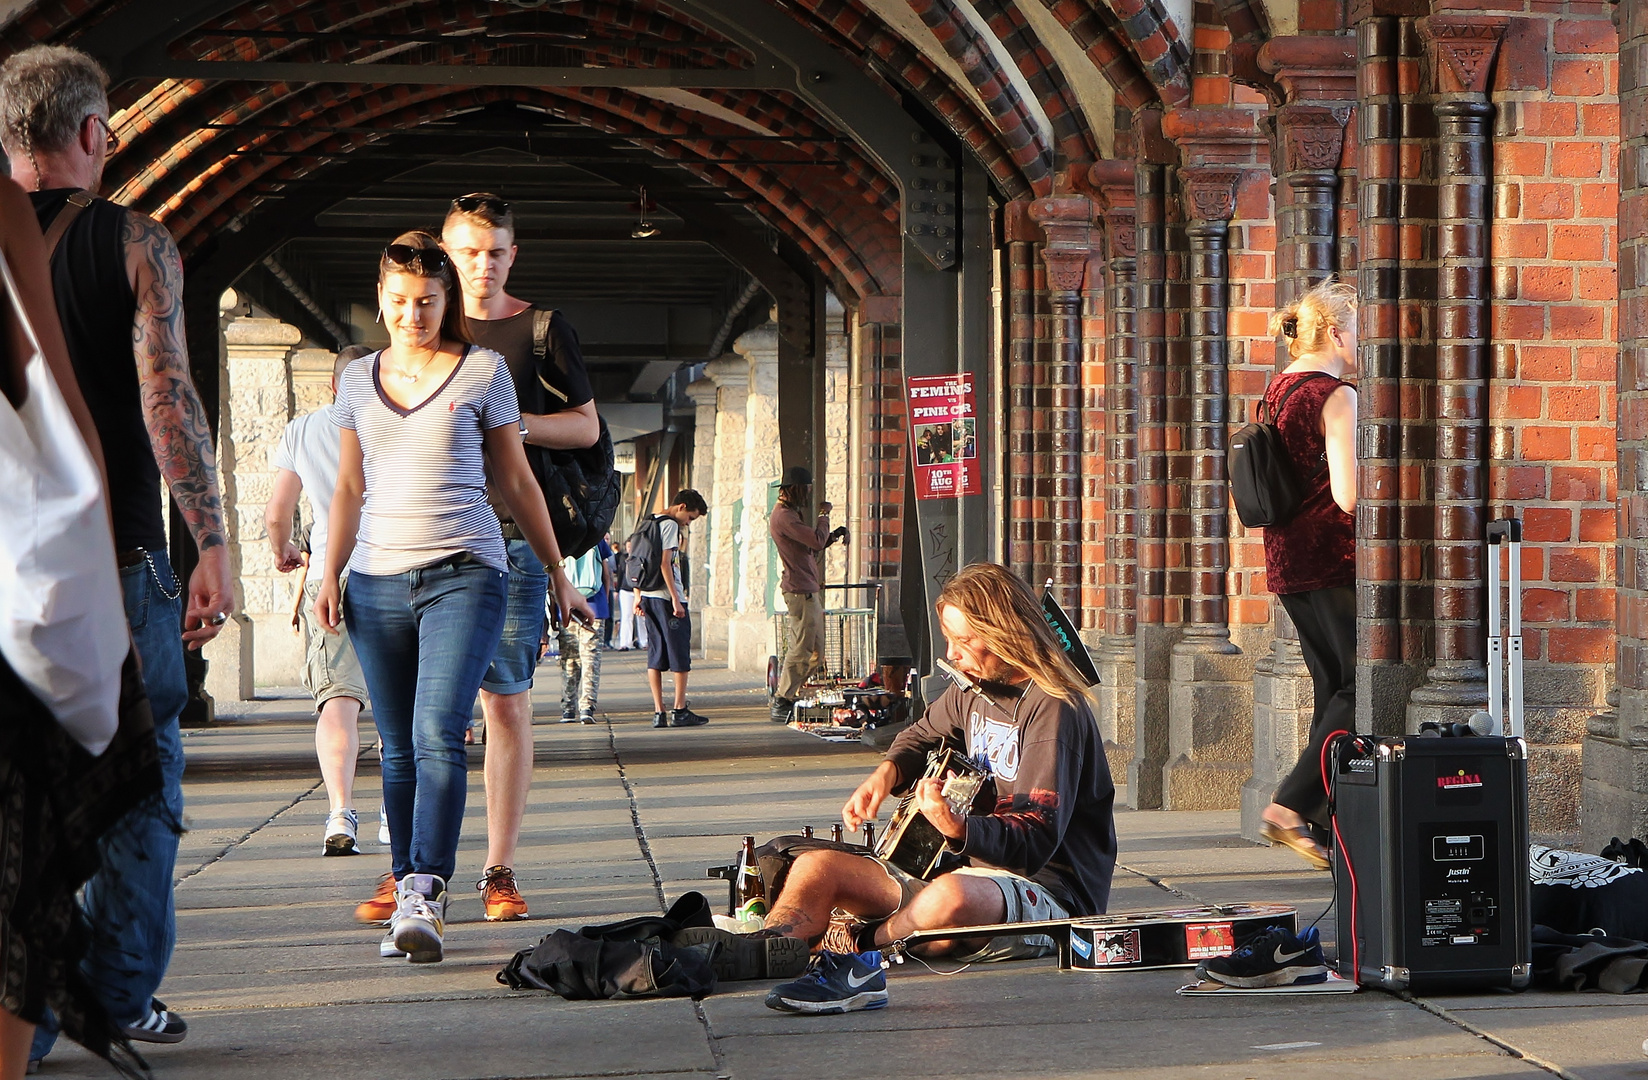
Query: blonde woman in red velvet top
[1310, 560]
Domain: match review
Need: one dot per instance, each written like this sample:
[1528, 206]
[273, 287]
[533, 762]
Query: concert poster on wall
[944, 436]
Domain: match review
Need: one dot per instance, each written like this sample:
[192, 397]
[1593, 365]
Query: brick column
[1614, 787]
[1456, 684]
[1318, 77]
[1113, 182]
[1211, 694]
[1153, 634]
[1390, 635]
[1067, 221]
[1020, 234]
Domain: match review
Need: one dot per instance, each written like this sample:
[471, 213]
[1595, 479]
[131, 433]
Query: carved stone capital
[1067, 222]
[1216, 136]
[1210, 192]
[1465, 48]
[1016, 226]
[1317, 68]
[1313, 137]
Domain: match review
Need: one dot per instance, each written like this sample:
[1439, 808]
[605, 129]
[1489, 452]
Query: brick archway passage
[1092, 210]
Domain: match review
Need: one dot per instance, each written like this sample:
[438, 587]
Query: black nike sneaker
[1275, 958]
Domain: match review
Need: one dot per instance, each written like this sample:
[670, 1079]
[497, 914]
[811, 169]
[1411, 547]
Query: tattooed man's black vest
[96, 306]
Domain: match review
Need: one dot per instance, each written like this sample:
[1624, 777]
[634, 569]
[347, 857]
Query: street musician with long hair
[1045, 851]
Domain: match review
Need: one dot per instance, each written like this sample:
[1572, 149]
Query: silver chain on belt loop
[154, 572]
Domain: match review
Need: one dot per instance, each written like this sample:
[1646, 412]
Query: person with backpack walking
[479, 237]
[632, 628]
[653, 571]
[423, 422]
[580, 644]
[1310, 558]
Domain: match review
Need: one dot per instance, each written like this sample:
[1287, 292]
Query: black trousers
[1326, 620]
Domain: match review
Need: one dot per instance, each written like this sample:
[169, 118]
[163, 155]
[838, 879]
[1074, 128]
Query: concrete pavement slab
[277, 980]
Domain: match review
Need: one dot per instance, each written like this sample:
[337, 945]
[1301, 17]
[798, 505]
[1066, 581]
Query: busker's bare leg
[337, 744]
[680, 689]
[508, 771]
[950, 900]
[823, 880]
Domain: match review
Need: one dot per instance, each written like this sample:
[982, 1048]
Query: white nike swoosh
[855, 983]
[1282, 959]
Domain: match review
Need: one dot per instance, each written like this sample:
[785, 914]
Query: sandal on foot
[1300, 840]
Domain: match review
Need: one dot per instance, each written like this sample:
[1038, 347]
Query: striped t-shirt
[425, 473]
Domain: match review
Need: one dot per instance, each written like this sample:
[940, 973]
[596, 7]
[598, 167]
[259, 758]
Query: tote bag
[62, 620]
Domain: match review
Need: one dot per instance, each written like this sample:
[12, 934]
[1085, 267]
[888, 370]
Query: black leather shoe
[660, 719]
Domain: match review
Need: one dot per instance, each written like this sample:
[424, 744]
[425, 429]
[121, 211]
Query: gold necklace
[413, 377]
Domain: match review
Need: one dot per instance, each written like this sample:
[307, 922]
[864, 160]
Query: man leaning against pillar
[799, 547]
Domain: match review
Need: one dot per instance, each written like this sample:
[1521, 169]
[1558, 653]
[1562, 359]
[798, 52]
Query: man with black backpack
[652, 569]
[557, 411]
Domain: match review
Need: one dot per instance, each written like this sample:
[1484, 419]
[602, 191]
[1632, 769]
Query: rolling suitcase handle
[1505, 651]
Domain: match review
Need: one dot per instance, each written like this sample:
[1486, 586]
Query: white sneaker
[383, 826]
[340, 833]
[419, 921]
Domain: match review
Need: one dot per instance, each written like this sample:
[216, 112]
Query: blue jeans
[517, 655]
[424, 639]
[129, 901]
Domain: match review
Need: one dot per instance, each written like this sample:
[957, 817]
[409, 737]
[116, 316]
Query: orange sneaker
[503, 900]
[381, 906]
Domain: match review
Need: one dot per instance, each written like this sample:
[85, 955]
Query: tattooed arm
[172, 411]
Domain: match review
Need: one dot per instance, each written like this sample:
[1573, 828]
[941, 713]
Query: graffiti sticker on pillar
[944, 436]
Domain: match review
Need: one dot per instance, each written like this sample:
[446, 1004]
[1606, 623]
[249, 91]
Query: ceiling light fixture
[644, 229]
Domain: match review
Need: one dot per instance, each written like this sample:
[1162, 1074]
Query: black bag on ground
[1264, 484]
[644, 563]
[580, 486]
[626, 959]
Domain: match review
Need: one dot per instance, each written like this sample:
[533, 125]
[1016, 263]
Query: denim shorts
[524, 622]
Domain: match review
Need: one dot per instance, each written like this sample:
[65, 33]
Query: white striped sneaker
[161, 1025]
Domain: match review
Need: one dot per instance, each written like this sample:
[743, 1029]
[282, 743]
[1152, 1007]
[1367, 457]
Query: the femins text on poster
[944, 436]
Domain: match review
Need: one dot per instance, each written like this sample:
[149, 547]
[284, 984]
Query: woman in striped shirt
[424, 421]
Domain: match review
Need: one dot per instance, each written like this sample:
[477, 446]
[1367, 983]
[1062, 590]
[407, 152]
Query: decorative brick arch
[850, 239]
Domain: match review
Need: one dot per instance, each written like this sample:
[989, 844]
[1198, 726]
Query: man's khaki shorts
[1026, 901]
[330, 667]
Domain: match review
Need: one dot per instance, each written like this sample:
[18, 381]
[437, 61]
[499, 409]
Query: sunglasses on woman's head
[471, 203]
[429, 260]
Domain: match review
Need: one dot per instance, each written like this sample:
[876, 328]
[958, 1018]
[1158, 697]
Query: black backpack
[580, 486]
[643, 569]
[1264, 484]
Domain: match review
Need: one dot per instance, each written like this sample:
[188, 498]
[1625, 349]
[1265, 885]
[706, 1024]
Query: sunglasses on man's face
[427, 260]
[111, 141]
[471, 203]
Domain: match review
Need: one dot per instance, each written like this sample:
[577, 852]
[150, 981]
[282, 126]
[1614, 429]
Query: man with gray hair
[118, 283]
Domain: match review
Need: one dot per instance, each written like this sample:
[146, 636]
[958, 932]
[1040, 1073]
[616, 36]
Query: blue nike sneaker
[834, 983]
[1273, 958]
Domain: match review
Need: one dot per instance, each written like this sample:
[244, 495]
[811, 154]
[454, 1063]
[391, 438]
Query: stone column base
[1152, 651]
[716, 623]
[229, 661]
[1116, 696]
[1613, 785]
[1210, 709]
[749, 642]
[1284, 703]
[1382, 691]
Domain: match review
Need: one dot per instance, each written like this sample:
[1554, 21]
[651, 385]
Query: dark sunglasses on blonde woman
[428, 260]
